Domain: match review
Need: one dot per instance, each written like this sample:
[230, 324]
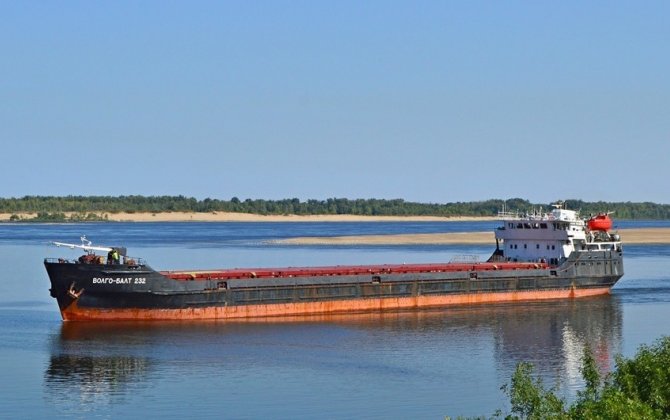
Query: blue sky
[427, 101]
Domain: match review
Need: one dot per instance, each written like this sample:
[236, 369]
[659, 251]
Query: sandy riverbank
[628, 236]
[246, 217]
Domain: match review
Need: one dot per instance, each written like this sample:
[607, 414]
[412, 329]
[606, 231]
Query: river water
[411, 364]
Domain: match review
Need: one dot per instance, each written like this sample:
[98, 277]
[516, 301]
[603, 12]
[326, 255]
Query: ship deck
[346, 270]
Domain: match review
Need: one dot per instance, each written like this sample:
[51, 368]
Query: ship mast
[85, 245]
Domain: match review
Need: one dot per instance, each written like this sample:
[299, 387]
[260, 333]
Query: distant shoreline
[628, 236]
[248, 217]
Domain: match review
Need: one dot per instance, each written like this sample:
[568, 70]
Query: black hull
[90, 291]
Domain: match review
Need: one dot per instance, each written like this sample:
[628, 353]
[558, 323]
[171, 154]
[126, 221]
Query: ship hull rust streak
[75, 313]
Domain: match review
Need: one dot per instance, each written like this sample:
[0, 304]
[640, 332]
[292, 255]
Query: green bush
[638, 388]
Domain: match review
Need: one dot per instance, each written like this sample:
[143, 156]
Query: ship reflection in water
[100, 363]
[92, 380]
[87, 367]
[553, 337]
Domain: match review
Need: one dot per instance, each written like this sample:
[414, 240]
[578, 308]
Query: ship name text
[119, 280]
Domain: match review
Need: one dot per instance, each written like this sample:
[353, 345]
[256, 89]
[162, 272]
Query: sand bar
[628, 236]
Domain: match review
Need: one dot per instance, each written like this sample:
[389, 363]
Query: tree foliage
[638, 388]
[529, 398]
[367, 207]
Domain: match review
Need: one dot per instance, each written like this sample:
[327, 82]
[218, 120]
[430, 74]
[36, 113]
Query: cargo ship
[553, 255]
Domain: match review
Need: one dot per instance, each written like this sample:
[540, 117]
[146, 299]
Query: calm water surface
[415, 364]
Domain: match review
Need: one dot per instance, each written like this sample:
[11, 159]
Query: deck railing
[128, 261]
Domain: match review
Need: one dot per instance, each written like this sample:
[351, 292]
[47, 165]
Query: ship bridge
[548, 237]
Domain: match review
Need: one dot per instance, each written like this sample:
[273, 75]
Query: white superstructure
[549, 237]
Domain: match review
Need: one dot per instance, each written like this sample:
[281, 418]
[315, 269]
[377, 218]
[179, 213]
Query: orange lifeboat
[600, 222]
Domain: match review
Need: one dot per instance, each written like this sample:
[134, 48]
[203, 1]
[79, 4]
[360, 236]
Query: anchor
[73, 293]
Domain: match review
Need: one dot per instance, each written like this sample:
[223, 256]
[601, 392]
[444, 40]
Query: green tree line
[366, 207]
